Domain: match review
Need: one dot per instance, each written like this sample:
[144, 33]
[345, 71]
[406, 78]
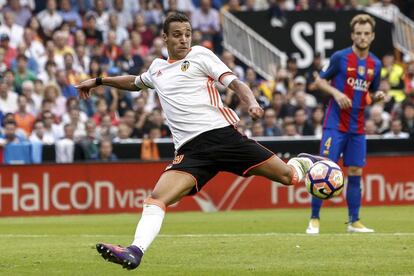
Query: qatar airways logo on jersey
[358, 84]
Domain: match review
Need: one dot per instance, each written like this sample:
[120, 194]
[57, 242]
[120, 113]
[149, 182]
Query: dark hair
[174, 17]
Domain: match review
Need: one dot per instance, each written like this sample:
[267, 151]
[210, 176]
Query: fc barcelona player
[354, 73]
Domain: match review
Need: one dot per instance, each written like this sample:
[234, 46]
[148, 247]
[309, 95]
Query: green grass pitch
[261, 242]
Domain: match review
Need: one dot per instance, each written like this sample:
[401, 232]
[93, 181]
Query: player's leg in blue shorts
[332, 145]
[354, 155]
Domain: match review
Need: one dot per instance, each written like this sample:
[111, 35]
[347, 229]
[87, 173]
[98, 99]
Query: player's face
[362, 36]
[178, 39]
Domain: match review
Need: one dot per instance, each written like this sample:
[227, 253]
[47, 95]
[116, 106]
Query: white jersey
[186, 89]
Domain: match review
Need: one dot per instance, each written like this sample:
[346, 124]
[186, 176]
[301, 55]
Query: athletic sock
[300, 166]
[353, 197]
[150, 224]
[316, 207]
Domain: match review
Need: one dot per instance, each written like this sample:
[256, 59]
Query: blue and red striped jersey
[355, 77]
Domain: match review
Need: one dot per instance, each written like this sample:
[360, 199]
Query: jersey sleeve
[332, 68]
[215, 68]
[377, 78]
[144, 81]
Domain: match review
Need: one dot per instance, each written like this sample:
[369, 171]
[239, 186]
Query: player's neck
[360, 53]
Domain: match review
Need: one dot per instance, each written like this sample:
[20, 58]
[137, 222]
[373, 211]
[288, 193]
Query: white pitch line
[223, 235]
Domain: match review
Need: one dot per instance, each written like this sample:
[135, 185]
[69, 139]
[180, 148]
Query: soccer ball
[324, 179]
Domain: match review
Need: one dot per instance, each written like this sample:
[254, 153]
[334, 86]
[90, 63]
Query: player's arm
[376, 94]
[328, 73]
[247, 97]
[120, 82]
[343, 101]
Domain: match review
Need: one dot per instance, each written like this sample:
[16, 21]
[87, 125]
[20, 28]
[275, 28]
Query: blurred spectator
[396, 130]
[299, 84]
[51, 57]
[34, 48]
[10, 53]
[3, 66]
[93, 33]
[409, 79]
[303, 126]
[384, 9]
[124, 134]
[72, 103]
[270, 125]
[34, 101]
[137, 47]
[10, 134]
[394, 73]
[158, 48]
[38, 135]
[49, 74]
[146, 33]
[185, 6]
[353, 5]
[105, 130]
[229, 60]
[82, 60]
[128, 62]
[74, 75]
[408, 118]
[22, 14]
[112, 50]
[317, 120]
[155, 119]
[311, 75]
[31, 62]
[120, 32]
[53, 131]
[105, 151]
[36, 28]
[89, 141]
[8, 98]
[101, 15]
[257, 129]
[370, 127]
[280, 106]
[62, 80]
[102, 110]
[206, 19]
[49, 18]
[380, 118]
[130, 120]
[22, 73]
[24, 120]
[53, 94]
[122, 13]
[69, 15]
[289, 129]
[65, 147]
[13, 30]
[61, 40]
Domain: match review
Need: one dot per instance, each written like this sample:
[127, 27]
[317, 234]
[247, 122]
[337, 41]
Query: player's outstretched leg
[129, 257]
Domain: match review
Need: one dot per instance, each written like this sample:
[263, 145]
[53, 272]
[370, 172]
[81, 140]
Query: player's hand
[379, 96]
[255, 111]
[85, 87]
[343, 101]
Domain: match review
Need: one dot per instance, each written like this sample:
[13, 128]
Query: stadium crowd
[47, 47]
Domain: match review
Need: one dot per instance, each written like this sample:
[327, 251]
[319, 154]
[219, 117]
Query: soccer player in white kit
[204, 132]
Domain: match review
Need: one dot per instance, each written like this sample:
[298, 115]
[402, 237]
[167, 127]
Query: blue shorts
[353, 147]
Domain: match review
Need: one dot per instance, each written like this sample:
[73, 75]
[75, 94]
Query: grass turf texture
[270, 242]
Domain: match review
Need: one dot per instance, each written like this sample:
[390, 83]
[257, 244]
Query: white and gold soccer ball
[324, 179]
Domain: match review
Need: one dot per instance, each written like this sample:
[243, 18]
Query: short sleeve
[332, 68]
[144, 80]
[213, 66]
[377, 78]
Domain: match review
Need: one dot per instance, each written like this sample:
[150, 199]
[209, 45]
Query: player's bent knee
[152, 201]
